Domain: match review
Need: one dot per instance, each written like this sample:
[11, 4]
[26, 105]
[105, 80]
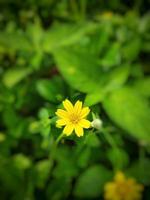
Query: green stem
[54, 148]
[109, 139]
[113, 144]
[59, 138]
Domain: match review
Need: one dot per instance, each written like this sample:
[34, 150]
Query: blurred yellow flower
[73, 118]
[123, 188]
[107, 15]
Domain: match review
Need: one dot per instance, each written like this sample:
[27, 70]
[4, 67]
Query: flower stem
[59, 138]
[109, 139]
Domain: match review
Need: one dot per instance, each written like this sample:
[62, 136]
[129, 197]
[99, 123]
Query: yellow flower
[123, 188]
[73, 118]
[107, 15]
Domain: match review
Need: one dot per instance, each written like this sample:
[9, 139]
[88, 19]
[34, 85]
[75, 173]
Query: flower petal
[68, 129]
[85, 111]
[78, 107]
[62, 113]
[68, 105]
[62, 122]
[119, 177]
[85, 123]
[78, 130]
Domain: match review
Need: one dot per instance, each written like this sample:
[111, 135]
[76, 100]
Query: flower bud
[97, 124]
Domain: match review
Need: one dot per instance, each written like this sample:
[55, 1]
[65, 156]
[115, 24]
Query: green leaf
[127, 108]
[140, 170]
[54, 193]
[61, 35]
[15, 75]
[94, 98]
[84, 158]
[22, 162]
[35, 33]
[52, 90]
[92, 140]
[91, 182]
[131, 50]
[42, 169]
[118, 157]
[115, 79]
[14, 41]
[79, 69]
[112, 57]
[143, 86]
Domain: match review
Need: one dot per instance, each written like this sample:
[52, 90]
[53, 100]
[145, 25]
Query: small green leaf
[15, 75]
[112, 57]
[21, 161]
[132, 49]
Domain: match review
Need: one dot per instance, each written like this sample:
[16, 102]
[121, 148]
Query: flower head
[123, 188]
[73, 118]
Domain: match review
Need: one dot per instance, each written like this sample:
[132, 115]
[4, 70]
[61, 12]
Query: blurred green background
[96, 51]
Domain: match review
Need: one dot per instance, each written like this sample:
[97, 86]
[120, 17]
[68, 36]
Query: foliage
[93, 51]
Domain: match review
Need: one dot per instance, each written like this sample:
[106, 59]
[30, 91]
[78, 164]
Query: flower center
[74, 118]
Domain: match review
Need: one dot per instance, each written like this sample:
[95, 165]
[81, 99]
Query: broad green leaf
[15, 75]
[127, 108]
[79, 69]
[91, 182]
[143, 86]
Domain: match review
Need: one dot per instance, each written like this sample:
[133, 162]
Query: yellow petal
[68, 105]
[85, 123]
[78, 130]
[78, 107]
[62, 122]
[68, 129]
[119, 177]
[62, 113]
[85, 111]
